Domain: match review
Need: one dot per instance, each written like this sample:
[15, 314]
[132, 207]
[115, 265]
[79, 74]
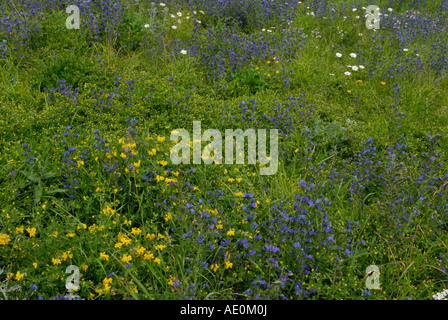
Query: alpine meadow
[334, 183]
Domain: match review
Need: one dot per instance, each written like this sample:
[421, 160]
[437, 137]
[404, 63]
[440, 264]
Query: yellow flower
[19, 275]
[383, 83]
[136, 231]
[126, 258]
[214, 267]
[238, 194]
[104, 256]
[4, 239]
[19, 229]
[70, 235]
[229, 264]
[140, 250]
[160, 247]
[31, 232]
[219, 226]
[231, 232]
[35, 265]
[56, 261]
[148, 256]
[161, 139]
[150, 236]
[157, 260]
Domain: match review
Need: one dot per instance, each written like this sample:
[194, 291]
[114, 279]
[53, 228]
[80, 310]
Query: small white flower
[188, 17]
[183, 51]
[361, 67]
[353, 55]
[390, 9]
[357, 17]
[269, 30]
[146, 25]
[405, 49]
[331, 74]
[347, 73]
[179, 14]
[174, 27]
[360, 34]
[338, 54]
[354, 9]
[263, 29]
[198, 21]
[355, 68]
[172, 16]
[161, 4]
[194, 12]
[179, 21]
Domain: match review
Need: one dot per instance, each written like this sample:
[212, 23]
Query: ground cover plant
[86, 177]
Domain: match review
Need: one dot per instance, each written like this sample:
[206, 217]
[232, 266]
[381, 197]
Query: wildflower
[31, 232]
[183, 51]
[136, 231]
[35, 265]
[157, 260]
[55, 261]
[228, 264]
[390, 9]
[179, 14]
[4, 239]
[214, 267]
[174, 27]
[19, 275]
[104, 256]
[353, 55]
[161, 4]
[347, 73]
[126, 258]
[231, 232]
[361, 67]
[405, 49]
[338, 54]
[355, 68]
[146, 25]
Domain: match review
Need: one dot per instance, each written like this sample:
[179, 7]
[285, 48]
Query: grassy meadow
[86, 177]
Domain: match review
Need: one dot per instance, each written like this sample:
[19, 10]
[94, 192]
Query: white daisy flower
[179, 14]
[361, 67]
[183, 51]
[353, 55]
[174, 27]
[172, 16]
[390, 9]
[405, 49]
[146, 25]
[161, 4]
[354, 9]
[347, 73]
[355, 68]
[338, 54]
[179, 21]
